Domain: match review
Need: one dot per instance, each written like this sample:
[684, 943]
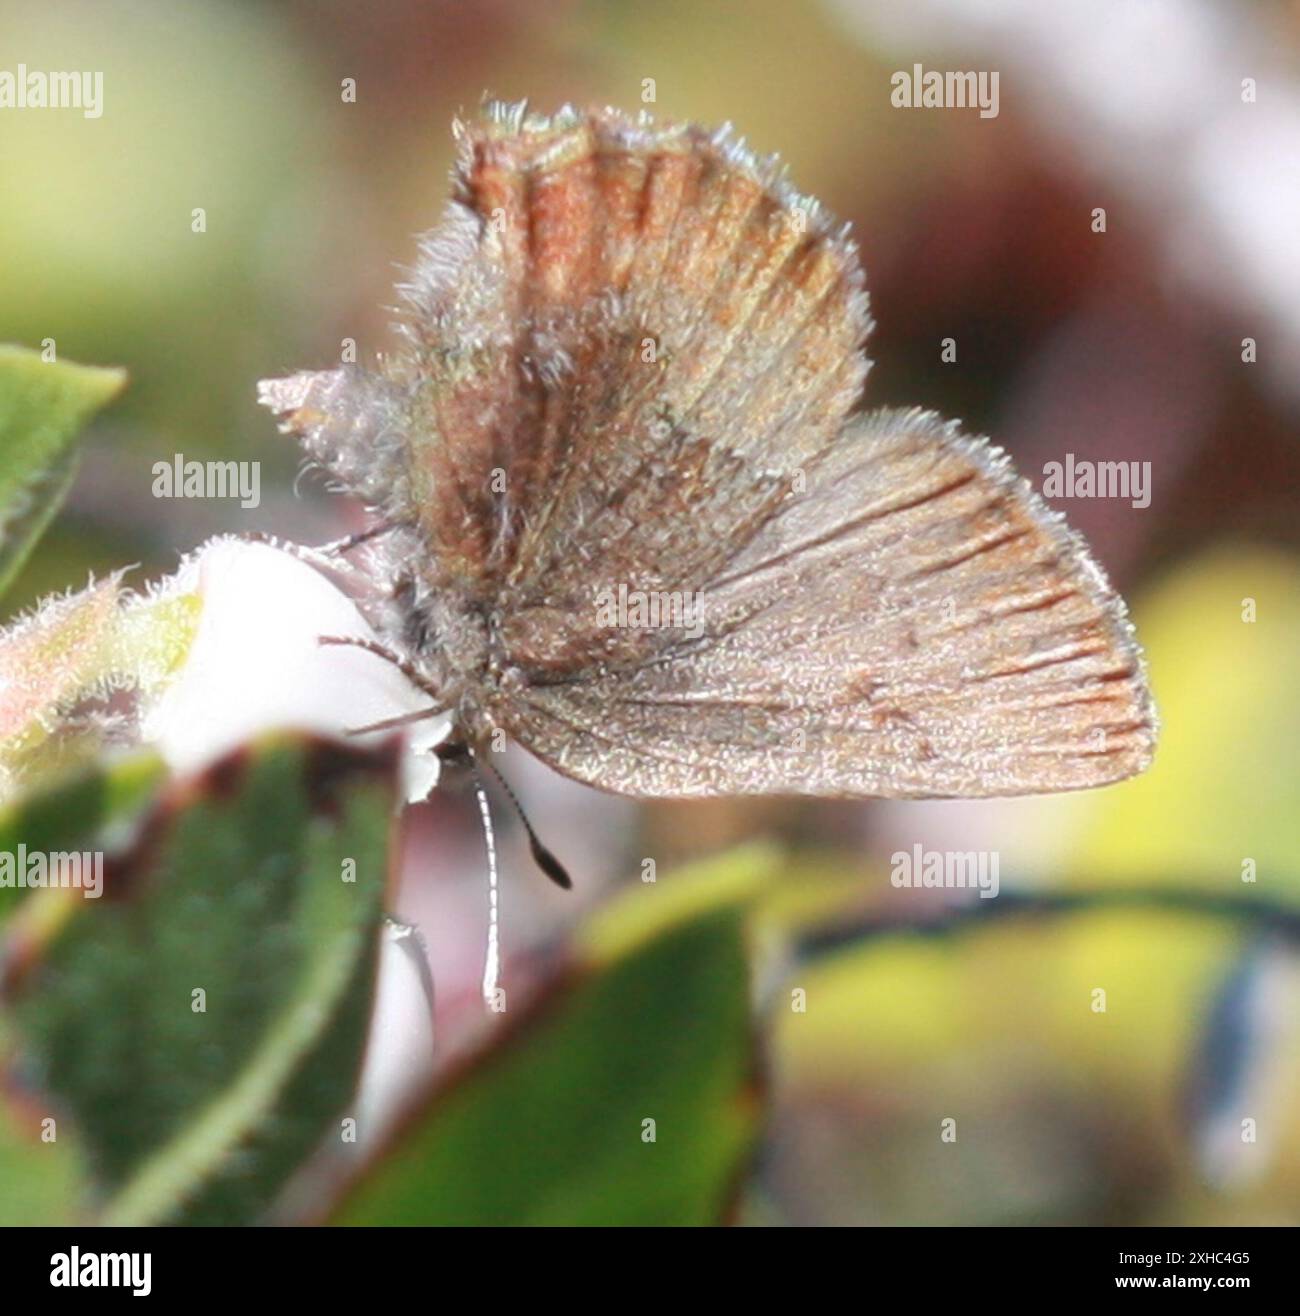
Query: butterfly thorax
[477, 648]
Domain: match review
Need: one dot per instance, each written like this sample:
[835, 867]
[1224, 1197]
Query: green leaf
[43, 406]
[547, 1125]
[44, 1176]
[43, 1181]
[76, 813]
[235, 888]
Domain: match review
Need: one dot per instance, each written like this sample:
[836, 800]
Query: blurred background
[1125, 345]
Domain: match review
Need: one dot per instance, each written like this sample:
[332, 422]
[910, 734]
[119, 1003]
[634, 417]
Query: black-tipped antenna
[542, 857]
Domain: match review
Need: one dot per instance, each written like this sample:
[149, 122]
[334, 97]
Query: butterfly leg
[392, 723]
[324, 559]
[337, 547]
[403, 665]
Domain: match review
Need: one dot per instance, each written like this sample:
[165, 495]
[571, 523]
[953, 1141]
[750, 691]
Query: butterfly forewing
[646, 306]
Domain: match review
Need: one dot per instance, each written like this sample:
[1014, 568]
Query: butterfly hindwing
[917, 623]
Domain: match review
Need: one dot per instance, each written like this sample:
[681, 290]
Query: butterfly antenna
[492, 964]
[542, 857]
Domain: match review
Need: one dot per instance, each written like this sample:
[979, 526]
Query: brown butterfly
[631, 355]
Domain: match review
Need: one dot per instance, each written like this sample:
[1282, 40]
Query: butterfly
[630, 366]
